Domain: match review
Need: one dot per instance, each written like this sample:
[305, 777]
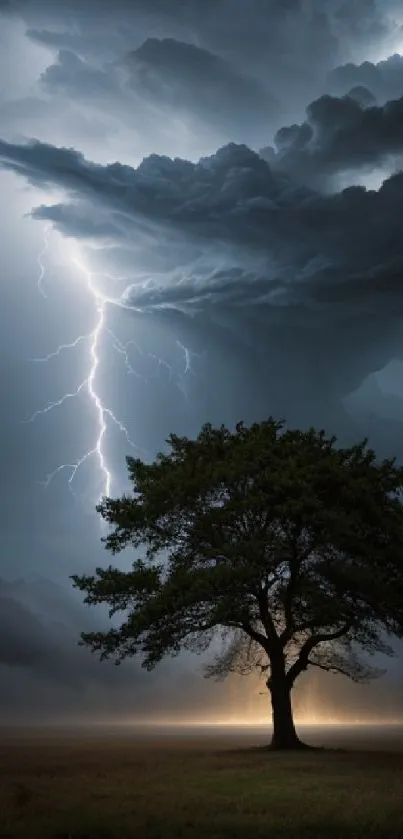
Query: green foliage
[275, 539]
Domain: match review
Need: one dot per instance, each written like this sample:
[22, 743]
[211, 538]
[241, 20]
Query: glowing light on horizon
[241, 723]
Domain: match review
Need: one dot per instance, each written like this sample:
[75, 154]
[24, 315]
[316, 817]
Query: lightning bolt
[41, 256]
[123, 350]
[103, 414]
[188, 355]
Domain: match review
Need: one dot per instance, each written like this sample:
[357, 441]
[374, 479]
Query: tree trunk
[284, 734]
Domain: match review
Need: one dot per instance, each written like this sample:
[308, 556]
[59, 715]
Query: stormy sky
[201, 221]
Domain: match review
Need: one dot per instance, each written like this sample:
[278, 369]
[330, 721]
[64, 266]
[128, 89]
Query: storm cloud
[267, 42]
[241, 244]
[181, 80]
[340, 135]
[195, 80]
[384, 79]
[299, 245]
[39, 653]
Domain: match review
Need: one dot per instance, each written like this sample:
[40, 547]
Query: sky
[200, 222]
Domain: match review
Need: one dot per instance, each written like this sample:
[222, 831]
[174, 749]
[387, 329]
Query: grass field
[216, 785]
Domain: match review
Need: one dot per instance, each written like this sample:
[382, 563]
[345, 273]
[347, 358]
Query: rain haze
[201, 221]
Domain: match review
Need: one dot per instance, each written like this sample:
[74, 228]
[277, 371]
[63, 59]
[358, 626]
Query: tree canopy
[284, 545]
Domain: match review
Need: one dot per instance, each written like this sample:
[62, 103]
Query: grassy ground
[188, 789]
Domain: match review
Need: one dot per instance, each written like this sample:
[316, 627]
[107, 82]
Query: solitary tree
[286, 547]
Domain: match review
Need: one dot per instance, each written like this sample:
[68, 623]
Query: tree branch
[266, 617]
[302, 661]
[256, 636]
[353, 668]
[329, 668]
[290, 627]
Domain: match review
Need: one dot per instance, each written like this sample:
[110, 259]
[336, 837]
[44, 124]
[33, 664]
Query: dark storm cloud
[267, 18]
[362, 95]
[338, 135]
[330, 244]
[224, 70]
[321, 269]
[43, 642]
[40, 659]
[210, 194]
[188, 77]
[286, 47]
[96, 39]
[72, 75]
[78, 222]
[384, 79]
[168, 76]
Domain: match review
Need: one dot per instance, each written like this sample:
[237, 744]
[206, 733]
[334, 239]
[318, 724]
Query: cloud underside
[250, 233]
[351, 133]
[313, 279]
[384, 79]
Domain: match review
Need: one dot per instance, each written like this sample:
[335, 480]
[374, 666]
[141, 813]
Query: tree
[282, 544]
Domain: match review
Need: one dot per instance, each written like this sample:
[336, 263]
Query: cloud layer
[384, 79]
[233, 233]
[311, 247]
[340, 135]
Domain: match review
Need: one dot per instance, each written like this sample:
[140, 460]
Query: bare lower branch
[302, 661]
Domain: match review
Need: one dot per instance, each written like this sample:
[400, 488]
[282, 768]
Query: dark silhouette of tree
[287, 547]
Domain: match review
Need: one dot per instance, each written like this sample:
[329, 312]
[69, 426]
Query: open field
[188, 784]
